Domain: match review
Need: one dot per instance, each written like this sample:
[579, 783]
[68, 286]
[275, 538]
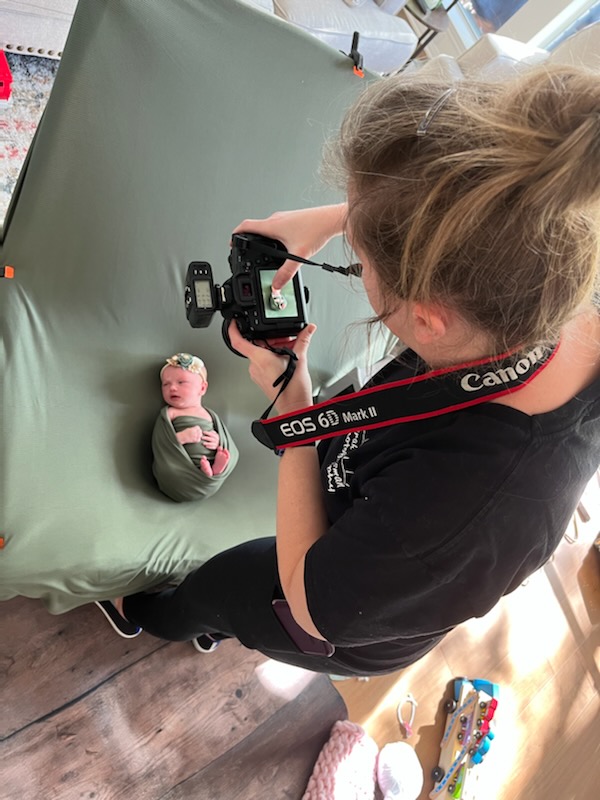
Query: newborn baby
[193, 452]
[184, 384]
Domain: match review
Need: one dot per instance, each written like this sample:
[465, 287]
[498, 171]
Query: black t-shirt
[431, 522]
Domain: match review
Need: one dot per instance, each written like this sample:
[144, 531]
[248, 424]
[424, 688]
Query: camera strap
[286, 375]
[353, 269]
[430, 394]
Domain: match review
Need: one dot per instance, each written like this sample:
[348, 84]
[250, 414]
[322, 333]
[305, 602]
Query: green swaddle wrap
[176, 473]
[195, 450]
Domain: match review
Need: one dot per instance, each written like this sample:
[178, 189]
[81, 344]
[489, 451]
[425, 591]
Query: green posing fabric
[176, 470]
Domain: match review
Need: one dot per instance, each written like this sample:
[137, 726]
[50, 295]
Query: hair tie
[407, 724]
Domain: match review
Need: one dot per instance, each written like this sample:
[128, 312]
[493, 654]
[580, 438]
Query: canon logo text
[473, 382]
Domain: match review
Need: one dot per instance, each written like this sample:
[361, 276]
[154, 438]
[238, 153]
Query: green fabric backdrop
[168, 124]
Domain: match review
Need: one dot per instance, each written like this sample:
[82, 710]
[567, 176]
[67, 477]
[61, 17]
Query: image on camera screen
[291, 310]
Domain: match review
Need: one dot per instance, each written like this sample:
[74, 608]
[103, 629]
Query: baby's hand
[210, 440]
[190, 435]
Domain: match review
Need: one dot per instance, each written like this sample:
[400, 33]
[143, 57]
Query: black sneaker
[206, 643]
[126, 629]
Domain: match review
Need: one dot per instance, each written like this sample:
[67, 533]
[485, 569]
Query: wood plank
[526, 736]
[152, 725]
[278, 770]
[570, 769]
[48, 661]
[376, 701]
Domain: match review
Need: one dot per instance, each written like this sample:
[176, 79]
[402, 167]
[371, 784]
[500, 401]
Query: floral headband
[188, 362]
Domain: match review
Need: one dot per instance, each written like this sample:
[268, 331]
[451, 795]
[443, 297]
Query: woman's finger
[284, 274]
[238, 342]
[302, 342]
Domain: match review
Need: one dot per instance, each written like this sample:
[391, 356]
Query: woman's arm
[301, 521]
[301, 518]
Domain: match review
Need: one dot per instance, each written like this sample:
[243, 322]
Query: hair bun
[553, 117]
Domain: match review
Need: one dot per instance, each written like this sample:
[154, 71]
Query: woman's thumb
[304, 337]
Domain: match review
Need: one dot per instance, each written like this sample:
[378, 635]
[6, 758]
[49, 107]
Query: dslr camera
[246, 296]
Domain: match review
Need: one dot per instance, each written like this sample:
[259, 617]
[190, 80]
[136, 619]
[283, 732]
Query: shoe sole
[118, 623]
[197, 646]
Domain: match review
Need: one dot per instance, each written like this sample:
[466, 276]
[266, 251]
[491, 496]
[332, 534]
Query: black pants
[230, 595]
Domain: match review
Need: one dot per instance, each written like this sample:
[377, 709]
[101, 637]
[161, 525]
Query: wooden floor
[542, 645]
[85, 714]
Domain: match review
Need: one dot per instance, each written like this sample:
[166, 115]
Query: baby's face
[181, 388]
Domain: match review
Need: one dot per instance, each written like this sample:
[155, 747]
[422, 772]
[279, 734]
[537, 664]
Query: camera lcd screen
[203, 294]
[291, 310]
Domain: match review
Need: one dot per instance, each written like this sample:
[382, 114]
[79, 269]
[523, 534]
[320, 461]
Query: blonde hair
[493, 210]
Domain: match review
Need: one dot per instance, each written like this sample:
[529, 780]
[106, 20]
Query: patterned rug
[32, 81]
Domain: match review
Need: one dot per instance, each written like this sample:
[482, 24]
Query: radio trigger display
[203, 294]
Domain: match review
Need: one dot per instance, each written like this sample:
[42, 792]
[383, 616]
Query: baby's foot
[206, 467]
[221, 461]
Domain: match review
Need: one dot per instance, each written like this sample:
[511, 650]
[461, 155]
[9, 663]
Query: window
[538, 22]
[487, 16]
[587, 18]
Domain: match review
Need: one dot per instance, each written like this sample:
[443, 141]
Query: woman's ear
[430, 322]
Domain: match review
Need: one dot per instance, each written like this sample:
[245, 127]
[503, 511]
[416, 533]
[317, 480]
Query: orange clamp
[7, 272]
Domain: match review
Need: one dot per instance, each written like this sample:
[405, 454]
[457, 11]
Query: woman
[474, 211]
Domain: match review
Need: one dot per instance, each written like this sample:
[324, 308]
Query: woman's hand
[304, 232]
[266, 367]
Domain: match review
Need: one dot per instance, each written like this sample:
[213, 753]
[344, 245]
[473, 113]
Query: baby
[184, 384]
